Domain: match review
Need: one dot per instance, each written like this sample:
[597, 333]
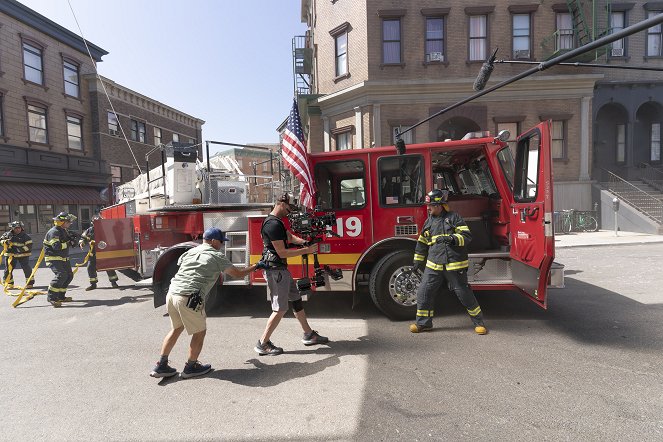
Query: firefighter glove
[446, 239]
[418, 266]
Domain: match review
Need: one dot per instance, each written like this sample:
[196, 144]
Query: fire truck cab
[504, 193]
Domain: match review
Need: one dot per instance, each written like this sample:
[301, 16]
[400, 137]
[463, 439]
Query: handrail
[652, 206]
[652, 176]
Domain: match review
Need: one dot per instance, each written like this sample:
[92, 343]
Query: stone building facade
[378, 66]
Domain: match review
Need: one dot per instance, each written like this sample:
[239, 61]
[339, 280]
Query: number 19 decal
[350, 226]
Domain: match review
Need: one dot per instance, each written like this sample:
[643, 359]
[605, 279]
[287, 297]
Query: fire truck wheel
[392, 287]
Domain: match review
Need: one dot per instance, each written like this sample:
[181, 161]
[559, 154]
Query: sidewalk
[604, 238]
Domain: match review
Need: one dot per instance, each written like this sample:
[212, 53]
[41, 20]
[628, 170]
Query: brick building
[47, 160]
[60, 143]
[373, 67]
[146, 123]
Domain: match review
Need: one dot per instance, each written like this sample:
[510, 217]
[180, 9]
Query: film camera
[313, 228]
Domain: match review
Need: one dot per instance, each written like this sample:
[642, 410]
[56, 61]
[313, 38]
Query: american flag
[293, 149]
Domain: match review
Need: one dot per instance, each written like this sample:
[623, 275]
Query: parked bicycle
[578, 221]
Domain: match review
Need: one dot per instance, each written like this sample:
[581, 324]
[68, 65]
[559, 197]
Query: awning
[19, 193]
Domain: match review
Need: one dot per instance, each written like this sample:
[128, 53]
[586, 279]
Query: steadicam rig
[314, 228]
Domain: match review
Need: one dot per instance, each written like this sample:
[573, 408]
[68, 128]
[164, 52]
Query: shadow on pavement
[260, 374]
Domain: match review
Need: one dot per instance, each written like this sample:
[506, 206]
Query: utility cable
[103, 86]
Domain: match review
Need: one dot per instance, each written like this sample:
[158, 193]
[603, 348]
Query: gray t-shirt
[199, 270]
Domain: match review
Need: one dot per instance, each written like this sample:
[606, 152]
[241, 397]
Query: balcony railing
[644, 202]
[652, 176]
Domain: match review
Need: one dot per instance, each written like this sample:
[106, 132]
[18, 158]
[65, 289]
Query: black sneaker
[163, 371]
[267, 349]
[195, 369]
[314, 338]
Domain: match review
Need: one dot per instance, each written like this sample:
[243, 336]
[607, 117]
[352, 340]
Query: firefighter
[442, 255]
[88, 238]
[19, 248]
[56, 254]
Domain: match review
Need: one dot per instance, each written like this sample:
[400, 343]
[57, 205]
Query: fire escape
[586, 21]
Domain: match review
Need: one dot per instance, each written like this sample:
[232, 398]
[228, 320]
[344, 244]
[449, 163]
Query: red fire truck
[375, 199]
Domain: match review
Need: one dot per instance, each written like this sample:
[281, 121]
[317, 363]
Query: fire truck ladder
[160, 147]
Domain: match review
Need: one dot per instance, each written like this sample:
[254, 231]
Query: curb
[630, 243]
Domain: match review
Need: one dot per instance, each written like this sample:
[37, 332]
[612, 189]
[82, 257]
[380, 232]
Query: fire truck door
[532, 241]
[114, 244]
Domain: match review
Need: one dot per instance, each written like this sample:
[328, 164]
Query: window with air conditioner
[617, 22]
[434, 39]
[521, 35]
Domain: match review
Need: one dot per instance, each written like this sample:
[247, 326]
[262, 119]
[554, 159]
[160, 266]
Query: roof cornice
[37, 21]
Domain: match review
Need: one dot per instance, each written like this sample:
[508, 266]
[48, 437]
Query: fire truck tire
[390, 287]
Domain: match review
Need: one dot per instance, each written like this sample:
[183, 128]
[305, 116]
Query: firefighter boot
[92, 286]
[480, 329]
[414, 328]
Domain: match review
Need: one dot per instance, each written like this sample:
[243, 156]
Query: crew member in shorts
[278, 241]
[199, 271]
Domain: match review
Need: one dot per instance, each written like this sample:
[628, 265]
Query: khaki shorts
[181, 315]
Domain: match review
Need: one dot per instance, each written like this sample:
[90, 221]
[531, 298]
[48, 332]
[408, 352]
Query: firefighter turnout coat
[19, 245]
[439, 255]
[56, 244]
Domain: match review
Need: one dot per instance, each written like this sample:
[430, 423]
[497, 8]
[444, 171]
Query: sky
[227, 62]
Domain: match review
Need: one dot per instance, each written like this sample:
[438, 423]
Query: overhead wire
[103, 86]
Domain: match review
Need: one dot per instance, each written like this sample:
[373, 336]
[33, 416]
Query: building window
[513, 130]
[654, 37]
[28, 214]
[2, 119]
[341, 44]
[620, 143]
[408, 137]
[33, 64]
[655, 154]
[559, 139]
[617, 21]
[138, 131]
[478, 37]
[70, 78]
[565, 34]
[521, 36]
[391, 41]
[37, 124]
[113, 125]
[116, 174]
[434, 44]
[343, 140]
[191, 141]
[157, 136]
[176, 138]
[74, 132]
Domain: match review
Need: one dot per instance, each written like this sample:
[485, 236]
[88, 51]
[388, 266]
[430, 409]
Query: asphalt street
[588, 368]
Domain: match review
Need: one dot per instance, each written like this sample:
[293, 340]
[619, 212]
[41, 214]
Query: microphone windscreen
[483, 76]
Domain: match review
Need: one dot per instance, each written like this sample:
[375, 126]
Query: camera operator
[281, 286]
[199, 271]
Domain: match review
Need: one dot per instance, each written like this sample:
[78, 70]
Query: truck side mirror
[615, 204]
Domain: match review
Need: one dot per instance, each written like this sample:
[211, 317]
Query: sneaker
[90, 287]
[267, 349]
[314, 338]
[163, 371]
[195, 369]
[480, 330]
[414, 328]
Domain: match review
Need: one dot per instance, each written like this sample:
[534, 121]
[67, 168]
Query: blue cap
[214, 233]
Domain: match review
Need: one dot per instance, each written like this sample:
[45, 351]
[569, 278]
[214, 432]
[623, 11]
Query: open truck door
[532, 240]
[114, 244]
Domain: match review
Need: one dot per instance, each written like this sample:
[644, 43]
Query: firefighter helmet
[15, 224]
[437, 196]
[64, 217]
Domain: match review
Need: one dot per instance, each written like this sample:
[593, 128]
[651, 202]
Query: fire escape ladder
[580, 25]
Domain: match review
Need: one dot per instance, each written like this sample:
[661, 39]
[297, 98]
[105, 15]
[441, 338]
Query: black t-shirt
[273, 229]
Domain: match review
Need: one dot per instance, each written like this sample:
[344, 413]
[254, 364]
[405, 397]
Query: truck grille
[410, 229]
